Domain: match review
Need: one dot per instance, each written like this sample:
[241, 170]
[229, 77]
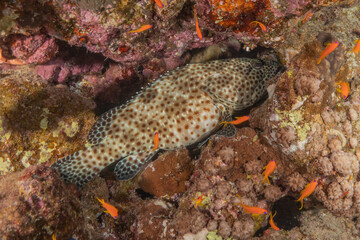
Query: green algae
[294, 119]
[213, 236]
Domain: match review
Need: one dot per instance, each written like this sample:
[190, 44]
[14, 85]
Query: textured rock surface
[172, 168]
[37, 205]
[308, 119]
[38, 122]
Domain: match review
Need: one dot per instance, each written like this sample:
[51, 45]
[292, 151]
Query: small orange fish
[329, 48]
[269, 169]
[109, 208]
[159, 3]
[53, 236]
[251, 210]
[356, 48]
[262, 26]
[198, 200]
[238, 120]
[272, 224]
[156, 141]
[143, 28]
[307, 17]
[307, 191]
[344, 89]
[344, 194]
[198, 32]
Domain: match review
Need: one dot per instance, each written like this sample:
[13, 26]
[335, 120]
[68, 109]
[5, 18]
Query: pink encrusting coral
[37, 48]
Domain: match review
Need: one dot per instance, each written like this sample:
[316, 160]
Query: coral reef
[309, 120]
[39, 122]
[36, 205]
[63, 62]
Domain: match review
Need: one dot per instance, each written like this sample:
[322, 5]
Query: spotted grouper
[183, 107]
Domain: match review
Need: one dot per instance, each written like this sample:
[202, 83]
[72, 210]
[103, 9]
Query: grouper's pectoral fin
[227, 130]
[128, 167]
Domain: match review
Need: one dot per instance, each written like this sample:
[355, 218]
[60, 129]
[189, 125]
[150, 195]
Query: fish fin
[76, 168]
[128, 167]
[228, 131]
[356, 40]
[102, 125]
[302, 204]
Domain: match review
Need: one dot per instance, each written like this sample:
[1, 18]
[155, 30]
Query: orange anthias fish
[198, 200]
[109, 208]
[344, 89]
[329, 48]
[156, 141]
[271, 222]
[308, 190]
[238, 120]
[356, 48]
[143, 28]
[198, 31]
[53, 236]
[251, 210]
[262, 26]
[307, 17]
[269, 169]
[159, 3]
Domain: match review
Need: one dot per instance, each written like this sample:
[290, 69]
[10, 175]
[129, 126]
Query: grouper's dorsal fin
[102, 125]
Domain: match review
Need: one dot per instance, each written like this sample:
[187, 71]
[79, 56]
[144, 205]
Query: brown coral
[324, 165]
[334, 143]
[243, 228]
[272, 193]
[224, 229]
[286, 135]
[253, 167]
[334, 190]
[296, 182]
[345, 163]
[307, 85]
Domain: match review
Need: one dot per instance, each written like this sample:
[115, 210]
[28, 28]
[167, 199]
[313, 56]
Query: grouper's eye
[258, 64]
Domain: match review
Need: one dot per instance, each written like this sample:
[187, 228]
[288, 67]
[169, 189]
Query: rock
[172, 168]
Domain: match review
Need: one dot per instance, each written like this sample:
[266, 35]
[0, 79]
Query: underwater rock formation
[38, 122]
[309, 119]
[37, 204]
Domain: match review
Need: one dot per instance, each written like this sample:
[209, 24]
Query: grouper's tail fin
[80, 167]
